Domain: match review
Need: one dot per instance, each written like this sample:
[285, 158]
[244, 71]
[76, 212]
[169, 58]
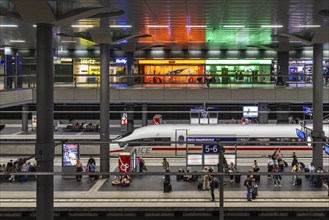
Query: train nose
[115, 148]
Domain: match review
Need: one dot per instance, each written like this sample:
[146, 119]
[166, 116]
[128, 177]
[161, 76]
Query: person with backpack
[91, 167]
[248, 184]
[213, 185]
[276, 177]
[141, 164]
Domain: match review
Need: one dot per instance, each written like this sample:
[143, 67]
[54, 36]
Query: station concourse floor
[148, 190]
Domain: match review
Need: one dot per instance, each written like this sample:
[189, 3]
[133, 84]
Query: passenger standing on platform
[231, 169]
[79, 169]
[91, 165]
[276, 177]
[294, 159]
[270, 164]
[141, 164]
[205, 180]
[213, 185]
[248, 184]
[311, 170]
[11, 169]
[255, 168]
[295, 169]
[165, 164]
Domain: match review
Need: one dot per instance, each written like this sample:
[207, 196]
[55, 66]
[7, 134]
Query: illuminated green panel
[239, 62]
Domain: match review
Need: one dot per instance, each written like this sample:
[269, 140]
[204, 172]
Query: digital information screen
[326, 148]
[250, 111]
[300, 134]
[70, 154]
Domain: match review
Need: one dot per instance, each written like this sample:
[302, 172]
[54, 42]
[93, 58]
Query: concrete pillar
[25, 118]
[130, 68]
[104, 103]
[317, 133]
[144, 114]
[44, 148]
[263, 113]
[282, 115]
[130, 109]
[283, 65]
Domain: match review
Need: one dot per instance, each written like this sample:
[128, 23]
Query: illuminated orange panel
[164, 62]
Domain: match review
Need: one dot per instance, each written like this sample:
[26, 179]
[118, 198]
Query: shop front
[88, 70]
[172, 71]
[239, 71]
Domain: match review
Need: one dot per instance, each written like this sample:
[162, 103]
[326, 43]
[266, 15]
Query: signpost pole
[221, 181]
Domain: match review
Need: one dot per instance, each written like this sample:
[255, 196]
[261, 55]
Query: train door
[180, 144]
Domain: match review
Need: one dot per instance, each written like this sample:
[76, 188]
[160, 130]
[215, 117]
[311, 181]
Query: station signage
[120, 61]
[171, 62]
[308, 110]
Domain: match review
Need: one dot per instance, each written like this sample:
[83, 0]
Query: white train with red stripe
[253, 140]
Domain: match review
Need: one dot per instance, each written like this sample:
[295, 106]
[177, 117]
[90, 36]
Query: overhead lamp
[34, 25]
[233, 26]
[120, 26]
[17, 41]
[8, 25]
[196, 26]
[309, 26]
[82, 25]
[271, 26]
[158, 26]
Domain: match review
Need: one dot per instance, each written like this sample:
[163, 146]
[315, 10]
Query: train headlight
[309, 141]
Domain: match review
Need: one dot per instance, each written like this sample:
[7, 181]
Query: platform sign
[210, 148]
[308, 110]
[300, 134]
[70, 154]
[326, 148]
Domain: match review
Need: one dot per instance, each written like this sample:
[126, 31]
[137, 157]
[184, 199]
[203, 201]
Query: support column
[25, 118]
[282, 115]
[317, 133]
[283, 65]
[144, 114]
[221, 182]
[129, 71]
[104, 108]
[45, 137]
[130, 108]
[263, 113]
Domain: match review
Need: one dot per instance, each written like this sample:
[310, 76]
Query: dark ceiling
[187, 24]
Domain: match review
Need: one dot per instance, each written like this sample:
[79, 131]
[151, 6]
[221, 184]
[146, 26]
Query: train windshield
[124, 135]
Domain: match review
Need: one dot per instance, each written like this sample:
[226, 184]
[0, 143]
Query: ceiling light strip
[82, 25]
[234, 26]
[196, 26]
[120, 26]
[309, 26]
[8, 25]
[158, 26]
[272, 26]
[17, 41]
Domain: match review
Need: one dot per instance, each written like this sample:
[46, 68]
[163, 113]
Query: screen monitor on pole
[326, 148]
[250, 111]
[300, 134]
[70, 154]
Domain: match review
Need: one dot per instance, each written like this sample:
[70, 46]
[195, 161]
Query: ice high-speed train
[253, 140]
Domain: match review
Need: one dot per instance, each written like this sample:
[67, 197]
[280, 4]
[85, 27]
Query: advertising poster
[70, 154]
[124, 163]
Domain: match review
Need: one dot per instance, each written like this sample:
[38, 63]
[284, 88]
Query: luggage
[179, 177]
[167, 186]
[285, 163]
[306, 170]
[25, 178]
[254, 192]
[299, 181]
[199, 186]
[237, 178]
[257, 178]
[302, 165]
[318, 181]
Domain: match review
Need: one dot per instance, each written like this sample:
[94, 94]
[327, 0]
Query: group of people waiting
[90, 168]
[18, 166]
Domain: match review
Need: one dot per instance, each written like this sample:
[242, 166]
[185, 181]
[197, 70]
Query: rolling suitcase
[254, 192]
[199, 186]
[166, 186]
[237, 178]
[306, 170]
[299, 181]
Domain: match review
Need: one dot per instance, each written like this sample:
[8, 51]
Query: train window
[150, 142]
[181, 140]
